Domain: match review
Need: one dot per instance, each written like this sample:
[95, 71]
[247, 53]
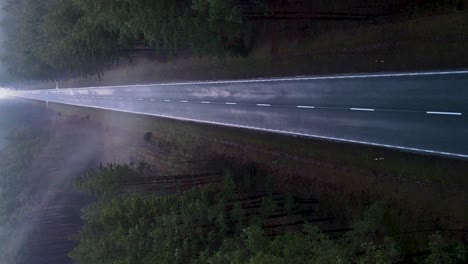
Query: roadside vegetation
[56, 40]
[239, 219]
[17, 186]
[17, 191]
[428, 192]
[220, 195]
[39, 210]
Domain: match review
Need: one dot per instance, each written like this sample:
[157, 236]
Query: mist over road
[419, 112]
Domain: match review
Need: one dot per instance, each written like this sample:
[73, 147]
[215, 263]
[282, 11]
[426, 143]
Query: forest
[182, 208]
[231, 213]
[39, 209]
[52, 39]
[237, 219]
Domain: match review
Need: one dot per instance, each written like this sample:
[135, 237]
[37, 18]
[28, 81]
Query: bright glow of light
[4, 93]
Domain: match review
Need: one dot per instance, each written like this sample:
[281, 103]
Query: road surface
[418, 112]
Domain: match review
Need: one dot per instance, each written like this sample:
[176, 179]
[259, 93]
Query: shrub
[148, 136]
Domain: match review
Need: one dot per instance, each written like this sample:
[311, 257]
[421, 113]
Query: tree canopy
[51, 38]
[227, 224]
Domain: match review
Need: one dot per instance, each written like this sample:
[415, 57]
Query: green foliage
[105, 182]
[168, 228]
[445, 252]
[18, 184]
[50, 38]
[253, 246]
[211, 224]
[309, 246]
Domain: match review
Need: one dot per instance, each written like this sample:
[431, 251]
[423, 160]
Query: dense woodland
[55, 36]
[140, 214]
[50, 39]
[39, 209]
[234, 220]
[138, 217]
[16, 191]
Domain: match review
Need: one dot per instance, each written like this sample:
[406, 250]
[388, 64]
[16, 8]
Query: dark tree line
[46, 39]
[231, 221]
[53, 38]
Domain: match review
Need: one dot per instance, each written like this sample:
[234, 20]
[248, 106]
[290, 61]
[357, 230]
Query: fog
[2, 35]
[42, 226]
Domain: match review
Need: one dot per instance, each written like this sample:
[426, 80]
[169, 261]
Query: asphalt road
[417, 112]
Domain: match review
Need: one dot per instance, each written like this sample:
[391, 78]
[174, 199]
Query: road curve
[425, 112]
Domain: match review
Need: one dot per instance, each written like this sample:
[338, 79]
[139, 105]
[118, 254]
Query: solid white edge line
[362, 109]
[331, 77]
[273, 131]
[443, 113]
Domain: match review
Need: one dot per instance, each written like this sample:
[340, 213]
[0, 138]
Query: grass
[421, 43]
[423, 189]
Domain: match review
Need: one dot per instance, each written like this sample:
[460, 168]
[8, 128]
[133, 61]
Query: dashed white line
[140, 99]
[410, 149]
[306, 106]
[443, 113]
[167, 100]
[362, 109]
[204, 102]
[183, 101]
[230, 103]
[264, 105]
[152, 100]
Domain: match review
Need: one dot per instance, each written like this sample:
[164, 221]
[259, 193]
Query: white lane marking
[140, 99]
[410, 149]
[153, 100]
[362, 109]
[229, 103]
[331, 77]
[129, 98]
[204, 102]
[306, 106]
[183, 101]
[443, 113]
[120, 98]
[265, 105]
[167, 100]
